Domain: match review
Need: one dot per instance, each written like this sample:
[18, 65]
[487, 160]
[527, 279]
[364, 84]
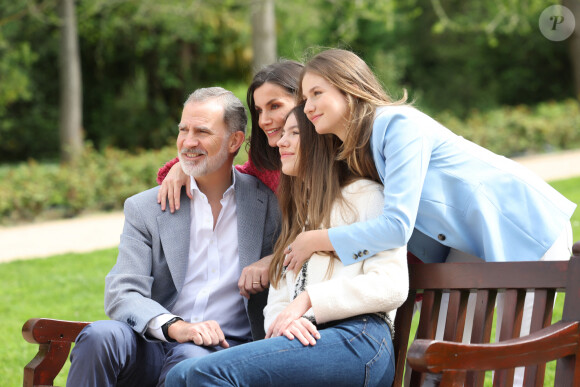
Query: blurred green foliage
[140, 59]
[517, 130]
[102, 180]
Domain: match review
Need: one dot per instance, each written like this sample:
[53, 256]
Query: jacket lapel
[174, 232]
[251, 212]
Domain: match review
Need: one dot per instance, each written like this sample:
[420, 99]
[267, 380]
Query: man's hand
[255, 278]
[206, 333]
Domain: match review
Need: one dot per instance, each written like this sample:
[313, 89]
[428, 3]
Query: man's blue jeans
[352, 352]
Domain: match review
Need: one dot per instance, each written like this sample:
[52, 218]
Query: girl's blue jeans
[354, 352]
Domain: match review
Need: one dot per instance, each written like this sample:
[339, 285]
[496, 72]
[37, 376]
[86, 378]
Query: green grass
[71, 286]
[66, 287]
[571, 189]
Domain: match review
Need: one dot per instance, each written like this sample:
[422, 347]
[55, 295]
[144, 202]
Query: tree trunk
[71, 99]
[574, 43]
[263, 33]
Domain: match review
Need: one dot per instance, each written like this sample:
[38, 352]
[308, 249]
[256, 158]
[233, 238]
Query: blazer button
[354, 256]
[365, 252]
[441, 237]
[360, 254]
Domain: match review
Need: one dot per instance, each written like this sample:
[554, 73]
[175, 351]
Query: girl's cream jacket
[377, 284]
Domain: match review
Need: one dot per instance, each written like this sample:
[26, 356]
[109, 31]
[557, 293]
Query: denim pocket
[380, 370]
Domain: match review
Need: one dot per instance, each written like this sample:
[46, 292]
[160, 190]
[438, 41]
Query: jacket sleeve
[404, 153]
[382, 284]
[382, 287]
[278, 300]
[128, 285]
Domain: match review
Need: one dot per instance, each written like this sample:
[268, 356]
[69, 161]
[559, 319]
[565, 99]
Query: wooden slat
[512, 314]
[510, 327]
[427, 327]
[541, 317]
[498, 275]
[402, 331]
[483, 317]
[429, 315]
[456, 312]
[481, 331]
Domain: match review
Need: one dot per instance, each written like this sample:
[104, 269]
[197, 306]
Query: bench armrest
[553, 342]
[54, 338]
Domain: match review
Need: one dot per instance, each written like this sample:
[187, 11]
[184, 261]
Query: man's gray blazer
[153, 253]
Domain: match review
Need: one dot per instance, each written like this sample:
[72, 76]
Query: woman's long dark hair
[284, 74]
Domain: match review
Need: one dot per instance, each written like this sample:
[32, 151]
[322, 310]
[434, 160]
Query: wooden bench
[455, 363]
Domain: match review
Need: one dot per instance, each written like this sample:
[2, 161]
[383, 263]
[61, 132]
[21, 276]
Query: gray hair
[235, 116]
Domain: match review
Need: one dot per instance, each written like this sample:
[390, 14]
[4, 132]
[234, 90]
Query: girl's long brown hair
[364, 93]
[306, 200]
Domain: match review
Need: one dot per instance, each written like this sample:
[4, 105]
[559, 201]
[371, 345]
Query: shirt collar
[228, 191]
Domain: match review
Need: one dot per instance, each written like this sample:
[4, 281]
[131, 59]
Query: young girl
[454, 192]
[331, 324]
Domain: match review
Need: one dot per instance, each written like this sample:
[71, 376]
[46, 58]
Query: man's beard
[205, 166]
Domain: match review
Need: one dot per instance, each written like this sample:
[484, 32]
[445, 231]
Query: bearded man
[173, 293]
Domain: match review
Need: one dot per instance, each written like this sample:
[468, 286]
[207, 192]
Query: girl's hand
[306, 243]
[171, 188]
[304, 331]
[287, 318]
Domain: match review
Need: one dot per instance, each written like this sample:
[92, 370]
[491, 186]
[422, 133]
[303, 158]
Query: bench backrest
[484, 281]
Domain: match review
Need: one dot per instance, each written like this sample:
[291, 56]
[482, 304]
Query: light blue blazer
[454, 192]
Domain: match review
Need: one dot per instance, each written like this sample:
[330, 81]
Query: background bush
[104, 179]
[101, 181]
[518, 130]
[140, 59]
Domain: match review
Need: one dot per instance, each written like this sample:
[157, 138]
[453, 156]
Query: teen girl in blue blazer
[458, 196]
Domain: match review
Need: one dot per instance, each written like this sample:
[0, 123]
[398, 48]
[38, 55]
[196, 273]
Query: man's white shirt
[213, 271]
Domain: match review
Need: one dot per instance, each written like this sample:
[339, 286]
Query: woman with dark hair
[270, 97]
[331, 324]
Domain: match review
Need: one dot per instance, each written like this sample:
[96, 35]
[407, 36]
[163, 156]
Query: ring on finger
[289, 248]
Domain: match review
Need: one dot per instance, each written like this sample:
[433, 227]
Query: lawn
[67, 287]
[71, 286]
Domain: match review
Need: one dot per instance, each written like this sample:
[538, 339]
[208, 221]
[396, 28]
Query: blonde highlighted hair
[353, 77]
